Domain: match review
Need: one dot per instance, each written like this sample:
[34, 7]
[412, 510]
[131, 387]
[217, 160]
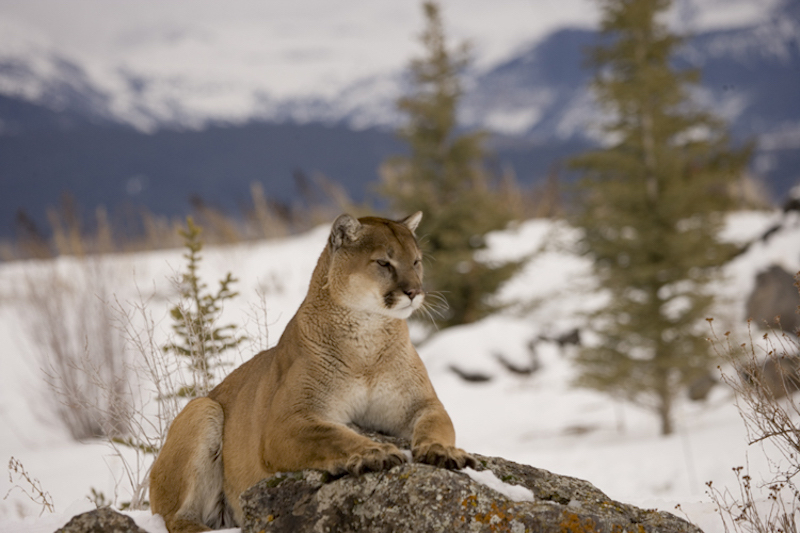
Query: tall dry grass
[70, 231]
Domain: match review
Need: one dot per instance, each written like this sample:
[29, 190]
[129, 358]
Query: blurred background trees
[652, 204]
[445, 176]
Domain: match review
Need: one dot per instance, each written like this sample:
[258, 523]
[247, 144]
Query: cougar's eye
[384, 264]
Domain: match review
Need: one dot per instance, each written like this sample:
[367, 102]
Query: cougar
[344, 359]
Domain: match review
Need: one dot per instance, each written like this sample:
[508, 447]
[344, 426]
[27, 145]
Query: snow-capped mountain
[34, 75]
[162, 73]
[750, 78]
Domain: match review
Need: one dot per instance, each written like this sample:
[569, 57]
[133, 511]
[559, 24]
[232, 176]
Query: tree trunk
[665, 409]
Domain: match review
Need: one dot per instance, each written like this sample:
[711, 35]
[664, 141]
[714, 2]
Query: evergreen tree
[201, 340]
[445, 177]
[653, 204]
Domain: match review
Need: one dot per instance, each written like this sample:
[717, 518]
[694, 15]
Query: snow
[538, 419]
[516, 493]
[512, 121]
[693, 16]
[39, 68]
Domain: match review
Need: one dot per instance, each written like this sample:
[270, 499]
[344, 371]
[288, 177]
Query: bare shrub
[71, 326]
[115, 373]
[154, 378]
[101, 358]
[764, 378]
[750, 511]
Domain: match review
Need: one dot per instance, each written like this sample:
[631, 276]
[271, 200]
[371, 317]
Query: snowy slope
[537, 419]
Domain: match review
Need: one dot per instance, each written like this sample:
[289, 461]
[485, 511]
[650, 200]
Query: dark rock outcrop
[416, 497]
[773, 296]
[772, 378]
[700, 388]
[103, 520]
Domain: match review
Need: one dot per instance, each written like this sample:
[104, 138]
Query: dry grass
[71, 232]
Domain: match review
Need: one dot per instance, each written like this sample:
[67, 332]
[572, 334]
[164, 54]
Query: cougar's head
[376, 265]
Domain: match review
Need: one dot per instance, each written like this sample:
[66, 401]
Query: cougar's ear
[412, 221]
[345, 230]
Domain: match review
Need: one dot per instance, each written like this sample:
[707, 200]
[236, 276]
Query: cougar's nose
[412, 293]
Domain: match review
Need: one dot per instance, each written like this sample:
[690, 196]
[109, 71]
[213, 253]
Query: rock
[472, 377]
[572, 337]
[699, 388]
[774, 295]
[772, 378]
[521, 370]
[417, 497]
[103, 520]
[569, 338]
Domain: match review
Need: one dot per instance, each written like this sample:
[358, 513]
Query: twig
[37, 495]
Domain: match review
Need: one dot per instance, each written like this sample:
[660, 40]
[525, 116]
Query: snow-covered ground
[538, 419]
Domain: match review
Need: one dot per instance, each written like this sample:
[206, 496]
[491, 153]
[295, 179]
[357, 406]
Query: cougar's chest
[376, 400]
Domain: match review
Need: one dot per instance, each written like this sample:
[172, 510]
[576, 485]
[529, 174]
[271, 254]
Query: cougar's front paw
[375, 458]
[443, 456]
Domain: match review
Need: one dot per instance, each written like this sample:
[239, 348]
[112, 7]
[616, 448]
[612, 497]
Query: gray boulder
[774, 295]
[103, 520]
[416, 497]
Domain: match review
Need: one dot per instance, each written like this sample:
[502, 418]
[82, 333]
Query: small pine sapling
[195, 318]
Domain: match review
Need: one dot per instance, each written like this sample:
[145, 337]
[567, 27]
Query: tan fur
[345, 358]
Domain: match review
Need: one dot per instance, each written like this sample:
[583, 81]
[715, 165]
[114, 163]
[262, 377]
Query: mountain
[63, 128]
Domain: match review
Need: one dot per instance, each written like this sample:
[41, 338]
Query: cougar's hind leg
[186, 482]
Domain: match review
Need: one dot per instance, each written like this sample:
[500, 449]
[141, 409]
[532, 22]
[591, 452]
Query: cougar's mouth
[392, 299]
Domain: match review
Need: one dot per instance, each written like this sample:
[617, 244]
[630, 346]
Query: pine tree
[195, 317]
[445, 177]
[653, 204]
